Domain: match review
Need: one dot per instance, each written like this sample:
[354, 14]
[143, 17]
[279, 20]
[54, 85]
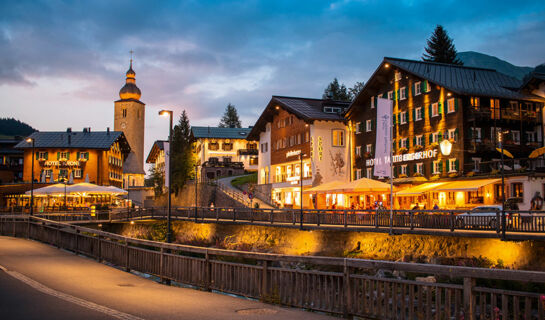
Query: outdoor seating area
[68, 197]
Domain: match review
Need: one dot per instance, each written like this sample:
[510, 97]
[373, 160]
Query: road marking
[66, 297]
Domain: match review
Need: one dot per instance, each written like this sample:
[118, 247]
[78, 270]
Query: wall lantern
[387, 65]
[446, 147]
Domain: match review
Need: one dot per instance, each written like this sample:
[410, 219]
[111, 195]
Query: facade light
[446, 147]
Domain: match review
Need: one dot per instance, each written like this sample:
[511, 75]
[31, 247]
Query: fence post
[208, 271]
[162, 265]
[293, 217]
[318, 218]
[271, 216]
[411, 219]
[345, 215]
[251, 215]
[218, 214]
[503, 224]
[498, 218]
[376, 218]
[264, 281]
[469, 299]
[347, 307]
[234, 214]
[452, 222]
[127, 261]
[99, 255]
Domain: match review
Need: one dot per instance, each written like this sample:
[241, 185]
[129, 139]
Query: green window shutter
[58, 155]
[430, 110]
[425, 86]
[394, 119]
[440, 137]
[440, 166]
[414, 141]
[47, 156]
[384, 95]
[412, 89]
[448, 165]
[440, 107]
[77, 155]
[430, 137]
[455, 104]
[37, 155]
[68, 156]
[397, 95]
[456, 163]
[413, 113]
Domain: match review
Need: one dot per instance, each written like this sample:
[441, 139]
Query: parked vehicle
[481, 216]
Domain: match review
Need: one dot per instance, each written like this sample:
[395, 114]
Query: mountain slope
[12, 127]
[481, 60]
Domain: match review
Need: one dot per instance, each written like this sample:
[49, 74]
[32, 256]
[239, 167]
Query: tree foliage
[338, 91]
[13, 127]
[156, 180]
[441, 48]
[230, 118]
[182, 158]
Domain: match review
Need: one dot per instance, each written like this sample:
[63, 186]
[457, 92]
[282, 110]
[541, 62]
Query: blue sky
[62, 63]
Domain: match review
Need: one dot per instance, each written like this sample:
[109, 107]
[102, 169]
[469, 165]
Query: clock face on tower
[123, 125]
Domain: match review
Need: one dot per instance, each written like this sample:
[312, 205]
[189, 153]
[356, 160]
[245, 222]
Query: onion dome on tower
[130, 90]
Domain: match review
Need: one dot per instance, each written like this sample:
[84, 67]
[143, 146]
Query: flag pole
[391, 170]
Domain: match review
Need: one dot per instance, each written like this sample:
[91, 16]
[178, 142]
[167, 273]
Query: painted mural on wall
[337, 163]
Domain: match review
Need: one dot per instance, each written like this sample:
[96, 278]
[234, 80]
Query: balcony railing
[252, 152]
[286, 178]
[224, 164]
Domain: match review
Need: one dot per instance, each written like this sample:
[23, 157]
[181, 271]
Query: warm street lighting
[31, 140]
[196, 192]
[301, 155]
[446, 147]
[169, 114]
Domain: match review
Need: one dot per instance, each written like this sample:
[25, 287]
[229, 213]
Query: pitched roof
[306, 109]
[154, 152]
[220, 133]
[463, 80]
[81, 140]
[131, 165]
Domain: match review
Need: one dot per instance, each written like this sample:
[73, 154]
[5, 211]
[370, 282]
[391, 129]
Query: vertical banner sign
[166, 146]
[383, 144]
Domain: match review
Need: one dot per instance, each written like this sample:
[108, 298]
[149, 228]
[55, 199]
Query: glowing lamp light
[387, 65]
[277, 107]
[449, 94]
[164, 113]
[29, 140]
[446, 147]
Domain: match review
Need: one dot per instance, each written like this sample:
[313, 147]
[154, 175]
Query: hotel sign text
[61, 163]
[428, 154]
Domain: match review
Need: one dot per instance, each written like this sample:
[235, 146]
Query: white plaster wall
[530, 187]
[323, 170]
[264, 158]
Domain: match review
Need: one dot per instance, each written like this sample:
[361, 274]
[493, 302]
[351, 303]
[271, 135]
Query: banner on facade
[166, 146]
[383, 143]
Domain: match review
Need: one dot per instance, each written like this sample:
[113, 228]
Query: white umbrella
[116, 190]
[42, 180]
[87, 178]
[51, 180]
[52, 189]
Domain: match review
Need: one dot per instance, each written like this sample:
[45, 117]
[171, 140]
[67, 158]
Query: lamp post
[500, 140]
[31, 140]
[301, 155]
[169, 114]
[196, 193]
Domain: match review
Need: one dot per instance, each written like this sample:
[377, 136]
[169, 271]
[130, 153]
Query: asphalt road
[38, 281]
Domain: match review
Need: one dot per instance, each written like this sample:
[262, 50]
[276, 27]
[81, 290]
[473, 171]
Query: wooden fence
[344, 286]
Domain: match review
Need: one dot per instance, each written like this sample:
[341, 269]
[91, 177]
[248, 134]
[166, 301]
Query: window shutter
[430, 110]
[456, 163]
[37, 155]
[440, 137]
[440, 166]
[440, 107]
[47, 156]
[414, 168]
[448, 165]
[425, 86]
[456, 135]
[58, 155]
[414, 114]
[376, 100]
[397, 94]
[430, 137]
[414, 141]
[77, 155]
[68, 156]
[470, 133]
[394, 119]
[455, 104]
[413, 89]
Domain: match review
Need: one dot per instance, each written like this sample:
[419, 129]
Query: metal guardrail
[344, 286]
[502, 223]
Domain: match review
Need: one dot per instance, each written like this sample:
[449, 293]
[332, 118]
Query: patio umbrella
[505, 152]
[366, 185]
[116, 190]
[85, 187]
[325, 187]
[52, 189]
[51, 180]
[537, 152]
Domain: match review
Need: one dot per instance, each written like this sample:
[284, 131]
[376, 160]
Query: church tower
[129, 117]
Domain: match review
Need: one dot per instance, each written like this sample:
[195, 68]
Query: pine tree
[336, 91]
[156, 180]
[355, 90]
[230, 118]
[441, 48]
[182, 156]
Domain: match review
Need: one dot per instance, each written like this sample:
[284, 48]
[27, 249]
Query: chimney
[89, 129]
[84, 130]
[108, 130]
[68, 130]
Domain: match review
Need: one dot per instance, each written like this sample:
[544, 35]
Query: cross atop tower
[131, 52]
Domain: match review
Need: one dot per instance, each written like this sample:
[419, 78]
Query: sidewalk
[226, 182]
[98, 284]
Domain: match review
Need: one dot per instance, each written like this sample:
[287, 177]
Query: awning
[419, 189]
[325, 187]
[365, 185]
[466, 185]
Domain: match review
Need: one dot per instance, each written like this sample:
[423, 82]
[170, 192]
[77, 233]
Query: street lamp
[31, 140]
[196, 192]
[169, 114]
[500, 140]
[446, 147]
[301, 155]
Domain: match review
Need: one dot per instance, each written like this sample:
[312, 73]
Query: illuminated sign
[293, 153]
[293, 180]
[68, 163]
[428, 154]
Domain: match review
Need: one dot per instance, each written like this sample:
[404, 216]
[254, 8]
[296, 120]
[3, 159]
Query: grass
[251, 178]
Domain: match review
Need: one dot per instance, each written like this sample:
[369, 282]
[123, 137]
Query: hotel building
[472, 108]
[98, 156]
[291, 129]
[224, 151]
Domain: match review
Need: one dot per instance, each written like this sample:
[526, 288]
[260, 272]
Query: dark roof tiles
[220, 133]
[82, 140]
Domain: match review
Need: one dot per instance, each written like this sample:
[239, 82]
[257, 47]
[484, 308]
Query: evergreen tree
[230, 118]
[441, 48]
[12, 127]
[336, 91]
[182, 156]
[355, 90]
[156, 180]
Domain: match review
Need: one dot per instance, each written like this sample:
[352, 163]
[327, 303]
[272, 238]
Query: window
[63, 173]
[64, 155]
[213, 146]
[338, 138]
[417, 88]
[452, 165]
[516, 136]
[299, 138]
[227, 146]
[403, 117]
[369, 148]
[358, 151]
[495, 108]
[418, 140]
[418, 114]
[373, 99]
[83, 155]
[437, 167]
[307, 136]
[397, 76]
[332, 110]
[435, 109]
[475, 133]
[435, 137]
[530, 136]
[403, 143]
[358, 127]
[452, 134]
[77, 173]
[124, 113]
[476, 164]
[42, 155]
[517, 190]
[451, 105]
[403, 169]
[369, 172]
[514, 105]
[358, 174]
[475, 102]
[420, 168]
[403, 93]
[306, 170]
[48, 173]
[368, 126]
[494, 133]
[264, 147]
[390, 95]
